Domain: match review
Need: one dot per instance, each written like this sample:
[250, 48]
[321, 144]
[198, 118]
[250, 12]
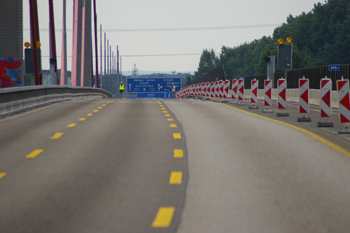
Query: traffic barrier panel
[212, 90]
[226, 89]
[304, 99]
[254, 94]
[216, 89]
[344, 104]
[221, 89]
[234, 89]
[282, 91]
[240, 90]
[267, 96]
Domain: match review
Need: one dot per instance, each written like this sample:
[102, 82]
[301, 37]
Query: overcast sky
[265, 15]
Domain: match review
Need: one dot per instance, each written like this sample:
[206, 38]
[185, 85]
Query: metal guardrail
[17, 99]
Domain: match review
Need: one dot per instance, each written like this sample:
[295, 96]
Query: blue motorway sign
[334, 67]
[152, 84]
[162, 95]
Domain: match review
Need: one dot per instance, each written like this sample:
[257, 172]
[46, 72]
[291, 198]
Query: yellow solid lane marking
[34, 153]
[57, 135]
[175, 178]
[178, 153]
[169, 119]
[173, 125]
[167, 115]
[177, 136]
[82, 119]
[323, 140]
[90, 114]
[2, 174]
[71, 125]
[95, 110]
[163, 217]
[165, 111]
[100, 107]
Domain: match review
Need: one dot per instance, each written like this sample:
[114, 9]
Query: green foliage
[320, 37]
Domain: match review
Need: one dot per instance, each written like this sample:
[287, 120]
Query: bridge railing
[18, 99]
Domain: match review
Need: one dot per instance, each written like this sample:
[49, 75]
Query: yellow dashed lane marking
[57, 135]
[82, 119]
[104, 105]
[3, 174]
[90, 114]
[161, 105]
[178, 153]
[165, 111]
[177, 136]
[163, 217]
[175, 178]
[71, 125]
[163, 108]
[34, 153]
[100, 107]
[323, 140]
[169, 119]
[173, 125]
[95, 110]
[167, 115]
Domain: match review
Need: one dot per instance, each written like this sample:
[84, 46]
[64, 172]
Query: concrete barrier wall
[293, 96]
[20, 98]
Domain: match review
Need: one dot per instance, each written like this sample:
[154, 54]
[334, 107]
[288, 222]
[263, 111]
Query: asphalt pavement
[92, 166]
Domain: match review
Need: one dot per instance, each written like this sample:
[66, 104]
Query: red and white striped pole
[240, 90]
[267, 96]
[304, 99]
[282, 94]
[344, 104]
[254, 94]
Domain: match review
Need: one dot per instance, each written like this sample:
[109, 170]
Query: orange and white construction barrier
[304, 99]
[344, 104]
[267, 96]
[254, 94]
[282, 94]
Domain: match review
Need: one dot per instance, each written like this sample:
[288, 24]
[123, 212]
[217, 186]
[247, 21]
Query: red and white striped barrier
[326, 86]
[254, 93]
[344, 101]
[221, 88]
[208, 90]
[234, 89]
[304, 99]
[240, 90]
[282, 93]
[267, 96]
[304, 95]
[212, 89]
[226, 89]
[216, 89]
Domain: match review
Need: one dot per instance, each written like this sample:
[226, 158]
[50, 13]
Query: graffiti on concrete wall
[9, 72]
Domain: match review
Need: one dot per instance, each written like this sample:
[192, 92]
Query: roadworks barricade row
[293, 96]
[17, 99]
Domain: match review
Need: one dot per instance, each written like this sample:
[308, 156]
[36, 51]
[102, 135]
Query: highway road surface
[184, 166]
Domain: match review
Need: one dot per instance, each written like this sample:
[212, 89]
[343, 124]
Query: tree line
[319, 37]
